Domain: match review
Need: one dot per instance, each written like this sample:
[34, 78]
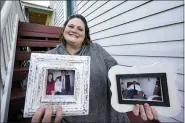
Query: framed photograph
[58, 80]
[143, 88]
[153, 84]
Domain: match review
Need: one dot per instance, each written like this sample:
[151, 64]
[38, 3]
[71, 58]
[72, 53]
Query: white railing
[9, 29]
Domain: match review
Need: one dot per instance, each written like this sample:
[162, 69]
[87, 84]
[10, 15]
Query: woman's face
[74, 31]
[50, 77]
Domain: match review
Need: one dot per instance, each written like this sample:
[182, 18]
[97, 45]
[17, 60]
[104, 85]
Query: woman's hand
[45, 115]
[146, 112]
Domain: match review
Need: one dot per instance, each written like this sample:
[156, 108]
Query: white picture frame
[170, 72]
[75, 69]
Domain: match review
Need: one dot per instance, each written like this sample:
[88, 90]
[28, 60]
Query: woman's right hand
[146, 112]
[45, 115]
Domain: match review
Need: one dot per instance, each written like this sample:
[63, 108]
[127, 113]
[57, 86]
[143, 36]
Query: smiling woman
[75, 33]
[75, 40]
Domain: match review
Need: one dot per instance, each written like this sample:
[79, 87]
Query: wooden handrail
[9, 28]
[9, 73]
[4, 14]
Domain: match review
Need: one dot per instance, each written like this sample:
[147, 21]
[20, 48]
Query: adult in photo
[133, 90]
[67, 84]
[58, 86]
[134, 86]
[63, 81]
[50, 85]
[75, 40]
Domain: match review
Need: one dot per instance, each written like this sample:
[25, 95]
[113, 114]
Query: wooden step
[23, 26]
[36, 43]
[38, 38]
[17, 94]
[23, 69]
[36, 34]
[38, 30]
[22, 55]
[15, 108]
[20, 73]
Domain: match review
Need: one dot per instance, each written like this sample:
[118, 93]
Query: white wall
[140, 33]
[59, 15]
[147, 85]
[19, 10]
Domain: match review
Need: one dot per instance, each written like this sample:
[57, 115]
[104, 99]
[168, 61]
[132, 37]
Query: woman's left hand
[146, 112]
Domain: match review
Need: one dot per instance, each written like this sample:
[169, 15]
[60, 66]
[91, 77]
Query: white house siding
[140, 33]
[59, 15]
[19, 10]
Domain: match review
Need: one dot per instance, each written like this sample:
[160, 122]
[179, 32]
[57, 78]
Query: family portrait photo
[142, 87]
[60, 82]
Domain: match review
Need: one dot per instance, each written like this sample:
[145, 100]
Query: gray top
[100, 109]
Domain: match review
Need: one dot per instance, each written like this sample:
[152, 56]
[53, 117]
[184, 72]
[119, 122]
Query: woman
[50, 85]
[76, 40]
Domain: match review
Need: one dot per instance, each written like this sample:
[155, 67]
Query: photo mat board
[58, 80]
[143, 88]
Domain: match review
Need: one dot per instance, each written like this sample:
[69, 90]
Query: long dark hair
[87, 39]
[51, 78]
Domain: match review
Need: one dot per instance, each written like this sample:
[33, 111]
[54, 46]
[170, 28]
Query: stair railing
[9, 29]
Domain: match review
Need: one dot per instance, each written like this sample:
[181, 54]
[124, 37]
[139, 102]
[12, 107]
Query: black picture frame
[164, 87]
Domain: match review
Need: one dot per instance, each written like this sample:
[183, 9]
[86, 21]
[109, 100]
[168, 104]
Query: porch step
[38, 30]
[37, 39]
[36, 43]
[25, 55]
[22, 69]
[17, 94]
[20, 73]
